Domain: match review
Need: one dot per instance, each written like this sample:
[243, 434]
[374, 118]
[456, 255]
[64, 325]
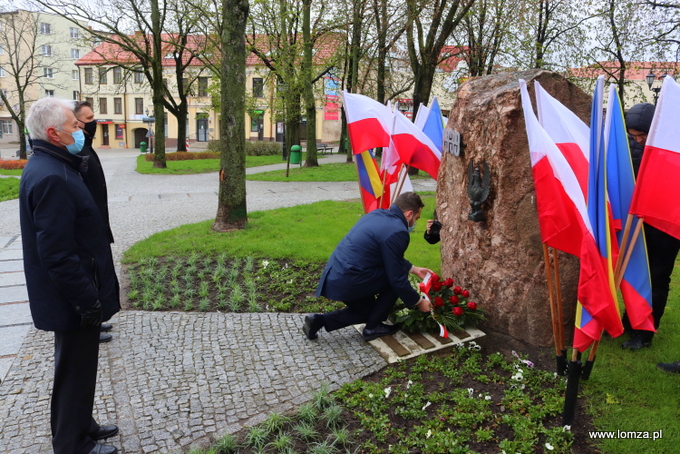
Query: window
[90, 101]
[117, 75]
[258, 87]
[103, 106]
[139, 106]
[6, 126]
[46, 50]
[75, 54]
[76, 95]
[117, 106]
[75, 75]
[120, 131]
[139, 77]
[48, 73]
[89, 76]
[74, 32]
[49, 93]
[202, 86]
[3, 73]
[45, 28]
[102, 76]
[254, 124]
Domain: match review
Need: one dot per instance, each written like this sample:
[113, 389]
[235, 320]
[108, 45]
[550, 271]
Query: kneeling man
[368, 271]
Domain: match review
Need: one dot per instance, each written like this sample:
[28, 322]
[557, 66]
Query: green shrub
[257, 148]
[186, 156]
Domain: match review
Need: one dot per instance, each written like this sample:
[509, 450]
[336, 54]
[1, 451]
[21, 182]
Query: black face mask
[90, 128]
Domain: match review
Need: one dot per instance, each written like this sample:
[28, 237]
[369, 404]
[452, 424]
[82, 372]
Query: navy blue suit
[68, 267]
[369, 261]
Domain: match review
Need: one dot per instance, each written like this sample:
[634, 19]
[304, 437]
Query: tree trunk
[308, 90]
[231, 211]
[157, 89]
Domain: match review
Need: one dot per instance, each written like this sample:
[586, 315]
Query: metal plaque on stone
[452, 141]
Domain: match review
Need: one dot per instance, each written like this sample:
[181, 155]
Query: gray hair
[45, 113]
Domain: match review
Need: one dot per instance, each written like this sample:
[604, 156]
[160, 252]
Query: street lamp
[282, 89]
[650, 78]
[150, 120]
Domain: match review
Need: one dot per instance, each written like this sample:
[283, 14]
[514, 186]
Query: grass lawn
[200, 165]
[14, 172]
[9, 187]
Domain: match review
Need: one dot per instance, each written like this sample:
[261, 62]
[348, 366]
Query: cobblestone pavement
[171, 380]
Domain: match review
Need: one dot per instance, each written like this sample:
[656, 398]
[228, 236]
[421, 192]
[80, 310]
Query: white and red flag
[369, 123]
[659, 177]
[414, 147]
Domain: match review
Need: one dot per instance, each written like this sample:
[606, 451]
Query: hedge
[186, 155]
[257, 148]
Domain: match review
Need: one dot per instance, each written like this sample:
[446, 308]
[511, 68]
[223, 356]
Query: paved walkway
[172, 380]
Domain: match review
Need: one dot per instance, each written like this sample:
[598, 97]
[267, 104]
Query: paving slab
[13, 294]
[9, 278]
[11, 265]
[15, 314]
[12, 338]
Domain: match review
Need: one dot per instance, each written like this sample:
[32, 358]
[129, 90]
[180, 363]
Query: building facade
[38, 52]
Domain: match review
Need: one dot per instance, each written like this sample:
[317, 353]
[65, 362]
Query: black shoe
[636, 343]
[379, 331]
[105, 337]
[103, 449]
[104, 432]
[313, 323]
[673, 368]
[106, 327]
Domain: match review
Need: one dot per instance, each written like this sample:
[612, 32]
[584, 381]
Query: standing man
[368, 271]
[662, 248]
[94, 179]
[70, 277]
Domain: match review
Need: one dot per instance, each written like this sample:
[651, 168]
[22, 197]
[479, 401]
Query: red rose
[438, 301]
[465, 294]
[457, 290]
[448, 282]
[434, 278]
[453, 299]
[437, 286]
[472, 305]
[457, 311]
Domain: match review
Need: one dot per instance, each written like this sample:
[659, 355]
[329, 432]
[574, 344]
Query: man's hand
[420, 272]
[429, 224]
[424, 305]
[92, 316]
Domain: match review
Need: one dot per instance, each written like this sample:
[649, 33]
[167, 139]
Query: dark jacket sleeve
[397, 267]
[432, 238]
[56, 242]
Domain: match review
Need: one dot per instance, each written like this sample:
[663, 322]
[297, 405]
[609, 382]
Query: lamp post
[650, 78]
[282, 88]
[150, 120]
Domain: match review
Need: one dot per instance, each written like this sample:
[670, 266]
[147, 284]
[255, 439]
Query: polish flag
[414, 147]
[369, 123]
[569, 132]
[659, 178]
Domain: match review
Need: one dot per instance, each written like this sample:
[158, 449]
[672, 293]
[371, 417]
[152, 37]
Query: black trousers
[370, 310]
[76, 354]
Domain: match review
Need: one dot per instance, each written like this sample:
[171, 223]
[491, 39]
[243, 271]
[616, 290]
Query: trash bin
[295, 154]
[142, 147]
[346, 144]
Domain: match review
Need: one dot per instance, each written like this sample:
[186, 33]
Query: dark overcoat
[369, 258]
[96, 183]
[67, 256]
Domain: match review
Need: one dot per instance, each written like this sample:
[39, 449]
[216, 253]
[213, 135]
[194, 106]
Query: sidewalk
[171, 380]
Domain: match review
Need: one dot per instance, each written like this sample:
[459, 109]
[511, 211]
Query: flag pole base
[587, 369]
[571, 395]
[561, 363]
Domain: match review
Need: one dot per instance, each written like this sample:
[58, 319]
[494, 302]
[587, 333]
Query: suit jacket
[369, 258]
[96, 183]
[67, 255]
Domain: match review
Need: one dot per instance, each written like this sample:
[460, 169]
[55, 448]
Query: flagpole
[383, 181]
[548, 276]
[401, 182]
[588, 366]
[558, 291]
[629, 252]
[624, 244]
